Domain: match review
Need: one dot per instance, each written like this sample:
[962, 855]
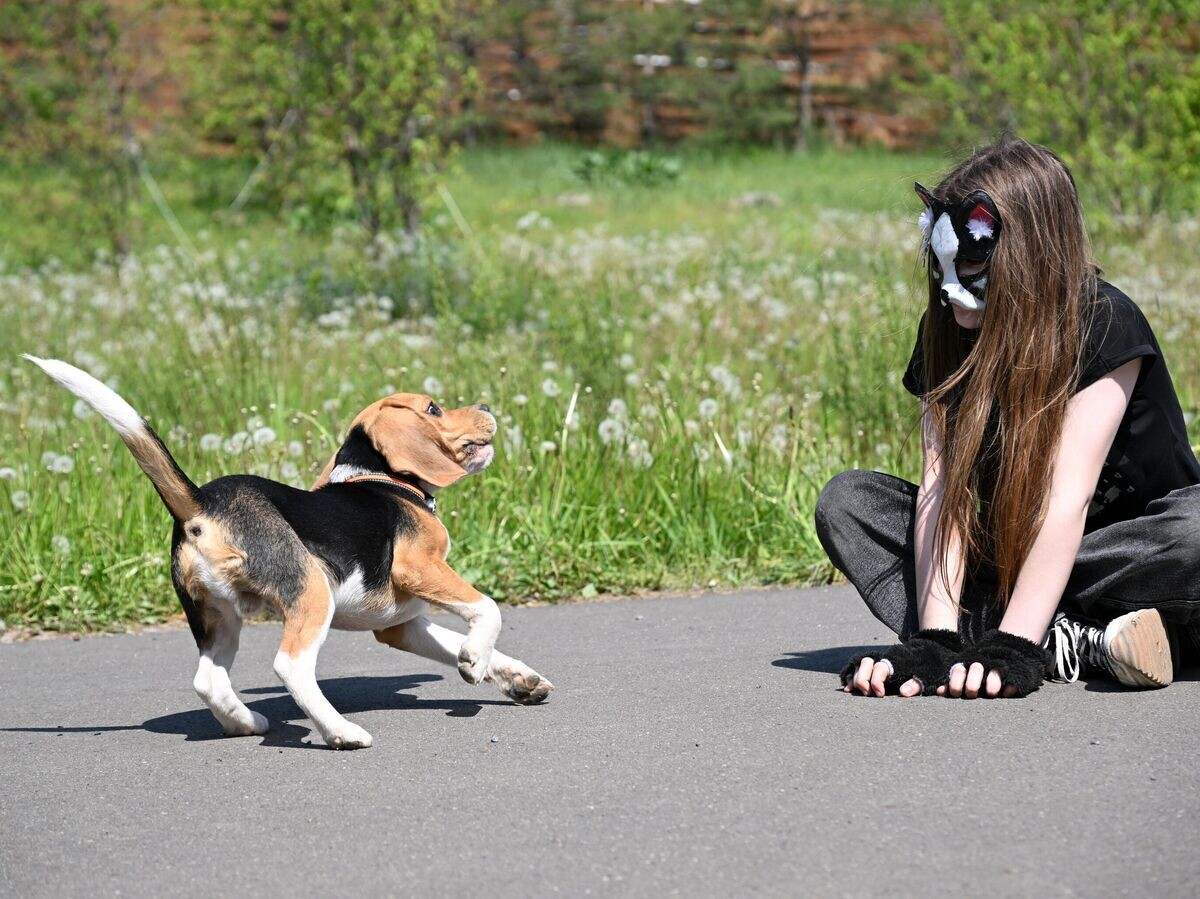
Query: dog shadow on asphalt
[830, 660]
[349, 695]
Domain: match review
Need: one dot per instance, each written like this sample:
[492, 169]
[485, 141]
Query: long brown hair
[998, 398]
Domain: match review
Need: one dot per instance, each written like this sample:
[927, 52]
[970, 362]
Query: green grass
[756, 351]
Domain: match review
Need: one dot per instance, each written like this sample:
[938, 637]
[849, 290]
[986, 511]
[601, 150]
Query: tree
[69, 95]
[1112, 85]
[361, 85]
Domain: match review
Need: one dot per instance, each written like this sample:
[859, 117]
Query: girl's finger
[878, 676]
[910, 687]
[1010, 691]
[974, 679]
[862, 680]
[958, 675]
[994, 683]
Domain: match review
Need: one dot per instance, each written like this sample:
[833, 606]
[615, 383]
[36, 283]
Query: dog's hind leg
[212, 682]
[306, 620]
[422, 637]
[217, 628]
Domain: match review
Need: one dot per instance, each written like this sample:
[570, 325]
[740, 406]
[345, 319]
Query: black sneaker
[1133, 649]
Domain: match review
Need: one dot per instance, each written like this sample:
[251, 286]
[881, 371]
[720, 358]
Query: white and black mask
[955, 234]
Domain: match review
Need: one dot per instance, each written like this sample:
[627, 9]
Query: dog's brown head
[418, 438]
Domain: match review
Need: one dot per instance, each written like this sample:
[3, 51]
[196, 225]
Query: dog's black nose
[945, 296]
[484, 407]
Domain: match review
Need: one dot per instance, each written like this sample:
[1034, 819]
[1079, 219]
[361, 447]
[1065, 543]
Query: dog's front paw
[472, 664]
[521, 684]
[348, 735]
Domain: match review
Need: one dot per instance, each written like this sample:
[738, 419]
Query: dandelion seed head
[210, 443]
[550, 388]
[61, 545]
[708, 408]
[20, 500]
[611, 431]
[8, 474]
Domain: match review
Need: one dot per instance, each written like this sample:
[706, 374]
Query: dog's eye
[434, 409]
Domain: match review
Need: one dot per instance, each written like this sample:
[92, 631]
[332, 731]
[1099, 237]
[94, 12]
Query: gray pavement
[695, 746]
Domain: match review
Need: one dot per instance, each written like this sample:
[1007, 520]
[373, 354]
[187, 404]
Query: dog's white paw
[348, 735]
[472, 664]
[521, 684]
[239, 727]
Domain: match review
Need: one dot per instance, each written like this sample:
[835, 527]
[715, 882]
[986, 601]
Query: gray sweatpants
[865, 522]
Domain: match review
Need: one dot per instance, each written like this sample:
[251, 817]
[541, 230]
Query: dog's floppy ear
[412, 443]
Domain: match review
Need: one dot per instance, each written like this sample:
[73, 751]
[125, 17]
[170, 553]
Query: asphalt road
[695, 746]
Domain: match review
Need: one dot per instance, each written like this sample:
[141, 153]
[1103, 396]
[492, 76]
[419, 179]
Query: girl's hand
[966, 682]
[870, 677]
[906, 669]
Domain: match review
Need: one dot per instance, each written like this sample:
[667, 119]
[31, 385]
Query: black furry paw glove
[1021, 663]
[927, 656]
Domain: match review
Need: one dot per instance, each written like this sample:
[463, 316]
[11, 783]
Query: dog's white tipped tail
[94, 392]
[176, 490]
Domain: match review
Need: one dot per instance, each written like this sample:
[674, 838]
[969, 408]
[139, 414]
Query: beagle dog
[363, 550]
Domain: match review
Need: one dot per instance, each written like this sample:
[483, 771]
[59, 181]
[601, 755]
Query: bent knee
[843, 493]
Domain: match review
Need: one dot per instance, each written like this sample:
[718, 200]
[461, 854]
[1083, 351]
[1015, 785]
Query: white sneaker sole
[1138, 650]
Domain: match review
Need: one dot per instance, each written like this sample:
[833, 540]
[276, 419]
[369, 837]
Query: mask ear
[924, 193]
[412, 445]
[925, 222]
[981, 216]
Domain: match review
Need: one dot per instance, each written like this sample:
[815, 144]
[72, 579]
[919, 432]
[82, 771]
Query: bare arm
[1093, 416]
[937, 602]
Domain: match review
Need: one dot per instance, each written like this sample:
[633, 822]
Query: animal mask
[962, 232]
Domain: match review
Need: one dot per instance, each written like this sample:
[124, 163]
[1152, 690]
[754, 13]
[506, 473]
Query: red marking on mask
[981, 212]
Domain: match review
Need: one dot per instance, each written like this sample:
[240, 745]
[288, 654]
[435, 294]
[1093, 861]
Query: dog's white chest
[357, 609]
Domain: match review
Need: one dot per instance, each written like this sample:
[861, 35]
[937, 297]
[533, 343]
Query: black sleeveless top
[1150, 455]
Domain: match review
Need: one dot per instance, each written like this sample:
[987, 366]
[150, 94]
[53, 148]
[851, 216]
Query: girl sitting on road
[1056, 527]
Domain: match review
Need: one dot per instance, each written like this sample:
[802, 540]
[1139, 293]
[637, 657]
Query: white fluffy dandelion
[618, 410]
[432, 386]
[550, 388]
[611, 431]
[61, 545]
[210, 443]
[520, 399]
[236, 443]
[8, 474]
[639, 453]
[63, 465]
[708, 408]
[263, 436]
[295, 449]
[20, 500]
[82, 410]
[548, 446]
[514, 440]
